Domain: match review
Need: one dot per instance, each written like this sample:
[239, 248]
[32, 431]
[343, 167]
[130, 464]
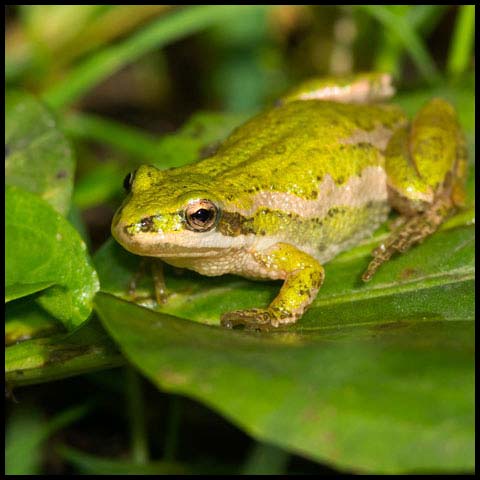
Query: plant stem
[136, 416]
[173, 428]
[409, 37]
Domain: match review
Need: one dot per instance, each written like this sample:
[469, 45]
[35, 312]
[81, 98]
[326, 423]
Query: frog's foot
[255, 319]
[411, 232]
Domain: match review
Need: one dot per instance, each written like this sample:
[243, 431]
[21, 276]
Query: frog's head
[166, 214]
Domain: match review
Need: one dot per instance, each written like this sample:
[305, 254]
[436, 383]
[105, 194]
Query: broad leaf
[26, 319]
[38, 157]
[43, 249]
[391, 396]
[86, 349]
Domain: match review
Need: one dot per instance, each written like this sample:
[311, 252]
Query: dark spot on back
[364, 145]
[61, 174]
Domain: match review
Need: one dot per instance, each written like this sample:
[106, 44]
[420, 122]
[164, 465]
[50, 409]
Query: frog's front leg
[426, 169]
[303, 277]
[156, 265]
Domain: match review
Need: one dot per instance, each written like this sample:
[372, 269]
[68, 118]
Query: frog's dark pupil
[127, 182]
[202, 215]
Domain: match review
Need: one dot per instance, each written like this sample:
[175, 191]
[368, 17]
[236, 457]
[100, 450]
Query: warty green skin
[294, 186]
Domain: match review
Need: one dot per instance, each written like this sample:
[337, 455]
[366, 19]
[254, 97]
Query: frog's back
[290, 148]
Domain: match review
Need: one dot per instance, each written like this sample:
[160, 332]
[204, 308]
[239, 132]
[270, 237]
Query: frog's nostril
[146, 224]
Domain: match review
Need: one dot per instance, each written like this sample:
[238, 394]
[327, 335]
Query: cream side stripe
[356, 192]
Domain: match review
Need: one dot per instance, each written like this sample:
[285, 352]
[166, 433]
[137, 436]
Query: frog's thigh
[303, 277]
[425, 167]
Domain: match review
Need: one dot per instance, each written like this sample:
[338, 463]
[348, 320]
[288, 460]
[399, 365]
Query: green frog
[300, 182]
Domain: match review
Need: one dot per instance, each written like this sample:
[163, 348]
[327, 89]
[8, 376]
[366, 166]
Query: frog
[311, 176]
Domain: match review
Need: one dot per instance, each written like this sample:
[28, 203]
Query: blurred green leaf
[128, 139]
[197, 138]
[461, 46]
[402, 29]
[26, 431]
[38, 157]
[265, 459]
[168, 28]
[92, 464]
[421, 18]
[25, 319]
[86, 349]
[99, 185]
[23, 435]
[42, 248]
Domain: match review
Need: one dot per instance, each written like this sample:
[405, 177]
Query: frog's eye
[201, 215]
[128, 180]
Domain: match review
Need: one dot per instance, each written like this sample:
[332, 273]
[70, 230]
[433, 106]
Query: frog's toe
[253, 319]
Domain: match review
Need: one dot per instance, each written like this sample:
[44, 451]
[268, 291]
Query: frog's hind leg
[357, 88]
[426, 171]
[413, 230]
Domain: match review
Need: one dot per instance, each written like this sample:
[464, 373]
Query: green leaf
[38, 157]
[461, 46]
[21, 290]
[93, 464]
[23, 454]
[158, 33]
[25, 319]
[194, 139]
[86, 349]
[42, 248]
[26, 431]
[402, 29]
[394, 394]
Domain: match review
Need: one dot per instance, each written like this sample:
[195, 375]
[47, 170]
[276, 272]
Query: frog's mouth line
[186, 244]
